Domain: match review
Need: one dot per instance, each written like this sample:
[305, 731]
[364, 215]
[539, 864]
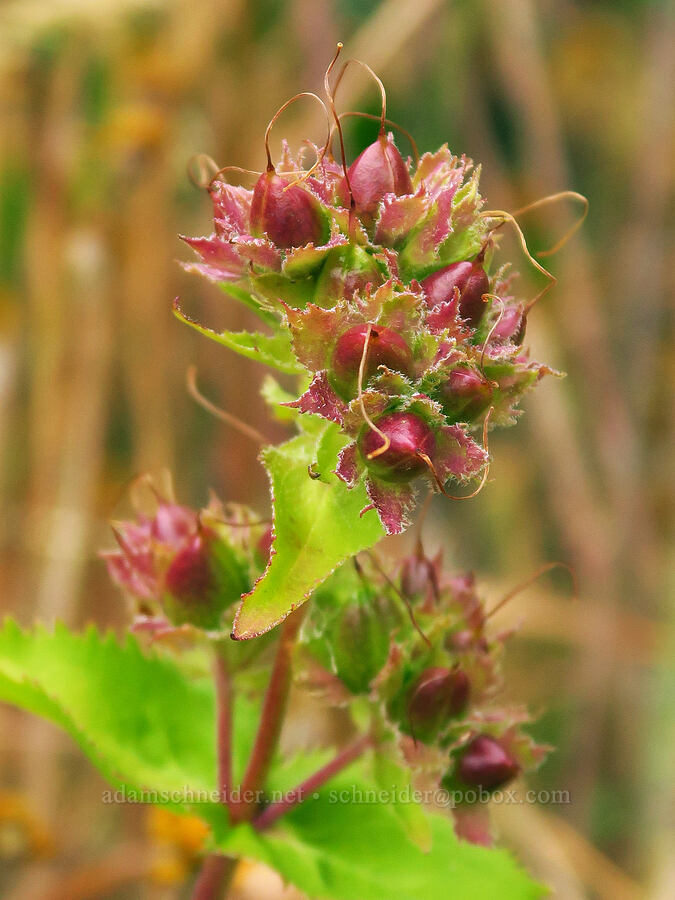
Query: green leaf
[146, 724]
[317, 526]
[138, 717]
[344, 846]
[416, 823]
[141, 719]
[273, 350]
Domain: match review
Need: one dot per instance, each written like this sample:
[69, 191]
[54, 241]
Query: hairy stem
[224, 724]
[214, 878]
[271, 719]
[314, 782]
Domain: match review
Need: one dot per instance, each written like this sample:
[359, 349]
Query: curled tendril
[199, 164]
[511, 217]
[492, 330]
[364, 115]
[252, 433]
[386, 443]
[553, 198]
[272, 122]
[383, 94]
[542, 570]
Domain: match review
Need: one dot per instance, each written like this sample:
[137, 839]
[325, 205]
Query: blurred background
[101, 106]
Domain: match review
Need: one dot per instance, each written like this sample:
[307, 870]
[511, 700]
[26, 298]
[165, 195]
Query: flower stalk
[296, 796]
[271, 719]
[224, 700]
[214, 878]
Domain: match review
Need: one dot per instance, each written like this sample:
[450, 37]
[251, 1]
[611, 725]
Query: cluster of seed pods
[421, 648]
[382, 270]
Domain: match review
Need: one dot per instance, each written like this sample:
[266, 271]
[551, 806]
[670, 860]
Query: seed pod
[346, 269]
[486, 764]
[511, 325]
[385, 348]
[464, 395]
[377, 171]
[289, 216]
[360, 643]
[438, 695]
[203, 579]
[470, 280]
[408, 435]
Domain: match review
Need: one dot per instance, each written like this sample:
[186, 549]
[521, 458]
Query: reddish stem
[214, 877]
[271, 719]
[296, 796]
[224, 725]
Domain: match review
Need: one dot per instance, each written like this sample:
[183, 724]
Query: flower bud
[189, 581]
[470, 280]
[511, 325]
[464, 395]
[360, 645]
[174, 565]
[438, 695]
[385, 348]
[289, 216]
[346, 269]
[203, 579]
[377, 171]
[486, 764]
[408, 436]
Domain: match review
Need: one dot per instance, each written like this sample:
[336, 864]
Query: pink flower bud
[289, 216]
[377, 171]
[486, 764]
[408, 435]
[189, 578]
[385, 348]
[511, 325]
[438, 695]
[464, 395]
[174, 565]
[470, 280]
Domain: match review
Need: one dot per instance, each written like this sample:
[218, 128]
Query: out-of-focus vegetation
[101, 106]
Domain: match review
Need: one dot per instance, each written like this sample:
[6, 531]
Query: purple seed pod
[289, 215]
[377, 171]
[469, 279]
[174, 565]
[486, 764]
[189, 578]
[385, 348]
[511, 326]
[464, 395]
[438, 695]
[409, 436]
